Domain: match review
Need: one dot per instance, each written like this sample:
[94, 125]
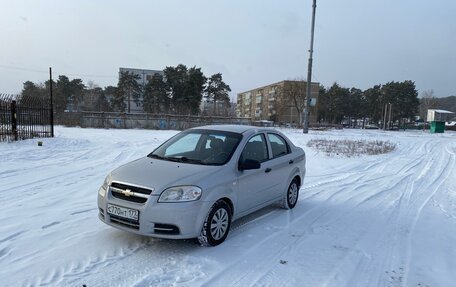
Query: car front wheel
[216, 225]
[291, 197]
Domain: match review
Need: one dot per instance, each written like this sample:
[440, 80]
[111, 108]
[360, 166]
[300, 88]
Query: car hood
[160, 174]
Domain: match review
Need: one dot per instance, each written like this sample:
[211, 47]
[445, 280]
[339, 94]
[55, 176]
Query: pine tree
[217, 91]
[128, 88]
[185, 88]
[374, 102]
[155, 96]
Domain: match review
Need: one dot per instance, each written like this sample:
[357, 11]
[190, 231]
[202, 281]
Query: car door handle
[267, 170]
[291, 161]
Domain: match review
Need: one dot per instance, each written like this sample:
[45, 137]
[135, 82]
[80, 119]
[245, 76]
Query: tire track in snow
[445, 172]
[373, 275]
[158, 263]
[390, 199]
[12, 236]
[369, 268]
[391, 268]
[401, 179]
[307, 222]
[79, 270]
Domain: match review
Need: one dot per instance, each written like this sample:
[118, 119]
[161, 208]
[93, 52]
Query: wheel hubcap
[219, 224]
[293, 193]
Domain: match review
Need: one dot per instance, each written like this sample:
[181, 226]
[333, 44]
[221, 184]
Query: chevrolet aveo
[199, 181]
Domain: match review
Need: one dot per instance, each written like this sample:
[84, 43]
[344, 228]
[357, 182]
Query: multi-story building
[143, 74]
[144, 77]
[278, 102]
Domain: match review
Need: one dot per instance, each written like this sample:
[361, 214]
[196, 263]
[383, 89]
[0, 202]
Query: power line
[60, 73]
[23, 69]
[88, 76]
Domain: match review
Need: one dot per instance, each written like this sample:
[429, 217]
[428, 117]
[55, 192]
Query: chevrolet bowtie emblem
[127, 192]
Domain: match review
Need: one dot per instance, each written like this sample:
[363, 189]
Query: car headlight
[181, 194]
[105, 186]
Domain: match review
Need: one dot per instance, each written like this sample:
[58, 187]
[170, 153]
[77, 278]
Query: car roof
[233, 128]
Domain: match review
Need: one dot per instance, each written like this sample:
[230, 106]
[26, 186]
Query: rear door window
[279, 146]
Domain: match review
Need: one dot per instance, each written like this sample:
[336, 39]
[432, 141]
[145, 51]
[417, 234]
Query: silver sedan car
[199, 181]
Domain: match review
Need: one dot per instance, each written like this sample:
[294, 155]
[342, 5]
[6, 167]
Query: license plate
[123, 212]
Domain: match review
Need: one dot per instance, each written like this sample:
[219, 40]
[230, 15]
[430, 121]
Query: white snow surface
[385, 220]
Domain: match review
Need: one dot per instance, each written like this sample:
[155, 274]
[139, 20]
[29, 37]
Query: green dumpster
[437, 127]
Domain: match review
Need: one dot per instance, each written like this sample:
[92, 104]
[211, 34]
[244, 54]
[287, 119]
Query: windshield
[206, 147]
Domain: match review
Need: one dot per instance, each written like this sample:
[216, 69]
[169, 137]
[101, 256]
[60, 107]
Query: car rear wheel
[216, 225]
[291, 197]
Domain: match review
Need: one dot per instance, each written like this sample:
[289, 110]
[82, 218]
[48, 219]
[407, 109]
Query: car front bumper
[164, 220]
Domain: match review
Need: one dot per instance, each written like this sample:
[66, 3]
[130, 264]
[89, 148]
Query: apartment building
[277, 102]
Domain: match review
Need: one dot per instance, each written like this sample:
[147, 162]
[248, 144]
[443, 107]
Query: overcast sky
[358, 43]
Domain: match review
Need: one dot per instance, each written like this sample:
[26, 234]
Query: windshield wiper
[151, 155]
[185, 159]
[177, 159]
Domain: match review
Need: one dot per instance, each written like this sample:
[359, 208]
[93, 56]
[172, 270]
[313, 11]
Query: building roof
[141, 71]
[441, 111]
[278, 83]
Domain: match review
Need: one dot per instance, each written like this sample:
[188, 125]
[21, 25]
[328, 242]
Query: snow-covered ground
[386, 220]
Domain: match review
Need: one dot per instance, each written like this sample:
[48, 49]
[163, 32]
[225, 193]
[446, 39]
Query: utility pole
[384, 116]
[389, 117]
[305, 128]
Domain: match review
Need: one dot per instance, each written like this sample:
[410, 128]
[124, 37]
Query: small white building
[434, 115]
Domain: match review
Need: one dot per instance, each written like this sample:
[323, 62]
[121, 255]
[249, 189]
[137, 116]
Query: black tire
[216, 225]
[290, 198]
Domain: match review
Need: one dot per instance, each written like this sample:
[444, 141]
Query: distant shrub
[351, 148]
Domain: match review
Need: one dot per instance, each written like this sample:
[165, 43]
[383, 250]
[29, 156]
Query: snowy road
[386, 220]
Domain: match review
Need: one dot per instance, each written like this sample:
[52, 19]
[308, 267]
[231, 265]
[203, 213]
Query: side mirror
[249, 164]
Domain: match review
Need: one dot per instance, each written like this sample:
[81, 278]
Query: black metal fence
[24, 118]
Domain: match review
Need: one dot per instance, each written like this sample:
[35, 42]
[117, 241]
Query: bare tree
[90, 96]
[292, 94]
[427, 101]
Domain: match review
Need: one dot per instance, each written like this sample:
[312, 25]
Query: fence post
[51, 103]
[14, 120]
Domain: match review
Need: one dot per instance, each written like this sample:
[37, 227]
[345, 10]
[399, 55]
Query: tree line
[179, 90]
[337, 103]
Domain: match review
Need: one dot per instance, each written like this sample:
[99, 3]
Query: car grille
[124, 222]
[141, 194]
[129, 198]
